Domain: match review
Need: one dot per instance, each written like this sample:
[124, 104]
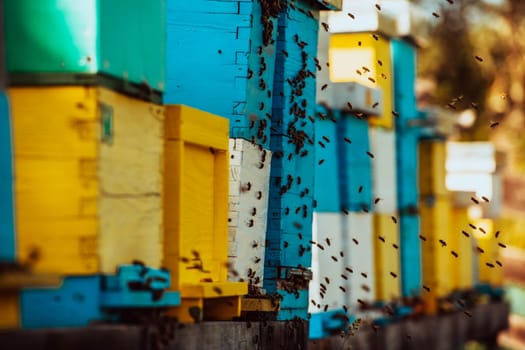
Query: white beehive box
[383, 147]
[248, 209]
[327, 226]
[366, 18]
[359, 226]
[412, 21]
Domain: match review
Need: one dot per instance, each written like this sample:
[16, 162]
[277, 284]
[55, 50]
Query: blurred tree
[494, 31]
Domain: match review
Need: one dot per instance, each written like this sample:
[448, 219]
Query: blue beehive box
[292, 143]
[7, 220]
[355, 164]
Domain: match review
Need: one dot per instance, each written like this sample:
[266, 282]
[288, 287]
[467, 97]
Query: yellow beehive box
[364, 58]
[489, 270]
[436, 251]
[103, 179]
[462, 275]
[432, 170]
[387, 259]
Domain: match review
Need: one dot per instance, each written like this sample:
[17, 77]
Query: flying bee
[382, 239]
[347, 140]
[255, 244]
[324, 87]
[364, 275]
[502, 245]
[466, 234]
[426, 288]
[360, 189]
[334, 258]
[349, 105]
[435, 14]
[326, 139]
[250, 223]
[482, 230]
[454, 253]
[321, 161]
[496, 234]
[349, 270]
[370, 154]
[467, 314]
[341, 254]
[355, 241]
[423, 238]
[344, 277]
[472, 226]
[257, 260]
[443, 243]
[395, 246]
[474, 200]
[478, 58]
[393, 274]
[351, 15]
[499, 263]
[217, 290]
[342, 289]
[394, 219]
[327, 280]
[493, 125]
[479, 250]
[395, 114]
[378, 7]
[285, 244]
[377, 200]
[489, 265]
[325, 26]
[328, 241]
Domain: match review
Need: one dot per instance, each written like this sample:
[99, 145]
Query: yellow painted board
[437, 259]
[195, 126]
[387, 258]
[489, 244]
[196, 196]
[54, 121]
[350, 52]
[9, 310]
[462, 271]
[130, 173]
[432, 171]
[213, 290]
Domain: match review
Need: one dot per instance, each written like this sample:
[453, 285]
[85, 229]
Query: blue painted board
[410, 252]
[326, 184]
[74, 304]
[407, 169]
[355, 164]
[292, 144]
[404, 67]
[325, 324]
[7, 218]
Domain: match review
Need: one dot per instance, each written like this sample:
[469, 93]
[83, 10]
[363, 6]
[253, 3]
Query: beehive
[462, 275]
[248, 210]
[383, 148]
[361, 58]
[490, 272]
[432, 171]
[387, 257]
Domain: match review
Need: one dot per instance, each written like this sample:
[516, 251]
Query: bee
[361, 302]
[217, 290]
[461, 303]
[341, 254]
[321, 144]
[364, 275]
[496, 234]
[258, 196]
[466, 234]
[355, 241]
[349, 270]
[345, 211]
[290, 156]
[257, 260]
[327, 280]
[474, 200]
[423, 238]
[493, 125]
[326, 139]
[286, 211]
[395, 246]
[358, 72]
[382, 239]
[297, 225]
[342, 289]
[300, 236]
[254, 211]
[366, 69]
[334, 258]
[321, 161]
[324, 87]
[478, 58]
[378, 7]
[250, 223]
[285, 244]
[499, 263]
[325, 26]
[212, 150]
[360, 189]
[313, 302]
[443, 243]
[454, 253]
[261, 106]
[347, 140]
[375, 105]
[394, 219]
[344, 277]
[473, 227]
[351, 15]
[377, 200]
[349, 105]
[359, 42]
[490, 265]
[482, 230]
[184, 260]
[375, 37]
[328, 241]
[255, 244]
[435, 14]
[426, 288]
[370, 154]
[450, 1]
[467, 313]
[325, 307]
[479, 250]
[395, 114]
[393, 274]
[322, 286]
[502, 245]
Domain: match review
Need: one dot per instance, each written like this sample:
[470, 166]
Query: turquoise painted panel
[7, 215]
[51, 36]
[74, 304]
[132, 40]
[410, 246]
[293, 161]
[327, 185]
[355, 170]
[516, 296]
[404, 66]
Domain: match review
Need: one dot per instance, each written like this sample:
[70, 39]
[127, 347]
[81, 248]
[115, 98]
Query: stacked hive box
[435, 207]
[489, 261]
[288, 255]
[462, 277]
[404, 67]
